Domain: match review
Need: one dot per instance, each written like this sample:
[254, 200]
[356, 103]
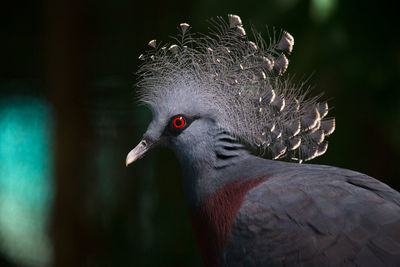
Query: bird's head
[226, 83]
[181, 120]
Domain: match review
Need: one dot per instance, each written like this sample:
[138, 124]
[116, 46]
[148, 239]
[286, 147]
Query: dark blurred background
[68, 118]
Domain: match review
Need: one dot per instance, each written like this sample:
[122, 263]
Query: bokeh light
[26, 169]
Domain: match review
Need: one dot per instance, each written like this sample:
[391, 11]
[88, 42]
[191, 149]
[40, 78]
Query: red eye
[178, 122]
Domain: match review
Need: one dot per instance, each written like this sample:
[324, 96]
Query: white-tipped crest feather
[241, 81]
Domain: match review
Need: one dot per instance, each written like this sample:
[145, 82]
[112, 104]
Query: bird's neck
[209, 165]
[215, 185]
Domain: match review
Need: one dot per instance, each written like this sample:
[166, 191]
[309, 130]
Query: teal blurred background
[68, 118]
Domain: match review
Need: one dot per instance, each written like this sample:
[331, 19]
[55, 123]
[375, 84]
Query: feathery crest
[241, 80]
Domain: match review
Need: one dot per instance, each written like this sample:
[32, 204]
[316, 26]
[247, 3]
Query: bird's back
[313, 215]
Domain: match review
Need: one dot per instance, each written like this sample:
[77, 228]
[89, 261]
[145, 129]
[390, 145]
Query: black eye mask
[177, 124]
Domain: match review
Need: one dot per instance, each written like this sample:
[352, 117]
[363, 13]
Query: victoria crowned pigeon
[221, 102]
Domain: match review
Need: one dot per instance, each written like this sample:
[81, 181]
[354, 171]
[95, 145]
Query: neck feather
[215, 188]
[206, 163]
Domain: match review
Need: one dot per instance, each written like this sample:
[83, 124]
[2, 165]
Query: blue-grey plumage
[219, 100]
[313, 215]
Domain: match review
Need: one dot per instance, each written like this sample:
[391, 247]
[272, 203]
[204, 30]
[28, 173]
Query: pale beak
[138, 152]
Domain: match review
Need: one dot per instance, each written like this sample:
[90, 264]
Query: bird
[241, 130]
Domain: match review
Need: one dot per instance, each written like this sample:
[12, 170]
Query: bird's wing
[317, 216]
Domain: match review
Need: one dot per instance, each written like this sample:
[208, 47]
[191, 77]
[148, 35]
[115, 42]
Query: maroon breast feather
[212, 221]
